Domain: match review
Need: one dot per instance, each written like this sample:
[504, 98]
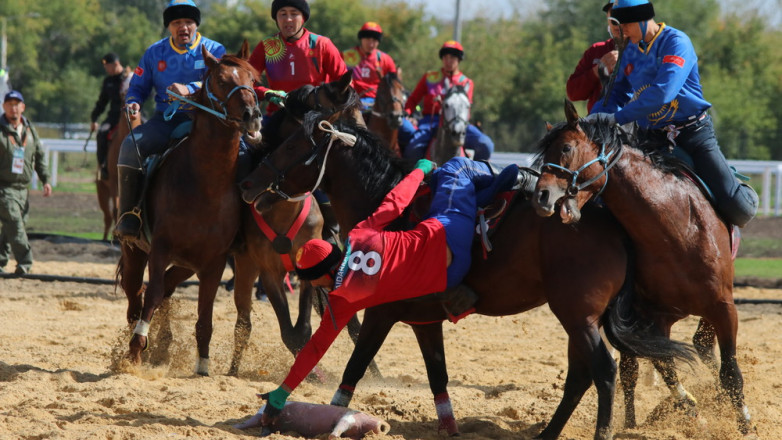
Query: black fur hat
[301, 5]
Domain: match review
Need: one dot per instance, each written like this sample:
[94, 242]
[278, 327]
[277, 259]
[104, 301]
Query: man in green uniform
[20, 153]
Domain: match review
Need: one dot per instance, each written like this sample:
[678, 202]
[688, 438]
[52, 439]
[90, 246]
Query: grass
[768, 268]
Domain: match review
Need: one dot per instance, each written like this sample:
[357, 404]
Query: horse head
[228, 90]
[454, 119]
[390, 100]
[575, 157]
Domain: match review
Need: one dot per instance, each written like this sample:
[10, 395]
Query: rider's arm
[333, 64]
[583, 81]
[217, 50]
[395, 202]
[418, 93]
[100, 104]
[141, 82]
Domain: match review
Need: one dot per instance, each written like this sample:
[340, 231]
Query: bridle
[457, 117]
[392, 116]
[307, 159]
[607, 159]
[221, 112]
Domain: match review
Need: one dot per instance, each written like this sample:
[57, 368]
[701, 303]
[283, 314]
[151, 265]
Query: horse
[192, 206]
[106, 189]
[357, 178]
[388, 112]
[452, 128]
[265, 255]
[680, 241]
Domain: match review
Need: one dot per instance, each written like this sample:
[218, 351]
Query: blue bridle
[222, 114]
[603, 158]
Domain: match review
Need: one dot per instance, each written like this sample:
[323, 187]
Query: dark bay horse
[388, 112]
[532, 264]
[258, 254]
[452, 129]
[192, 205]
[106, 190]
[682, 245]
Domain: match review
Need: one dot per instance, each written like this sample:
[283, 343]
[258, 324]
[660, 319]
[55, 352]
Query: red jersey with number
[379, 267]
[368, 70]
[312, 59]
[431, 87]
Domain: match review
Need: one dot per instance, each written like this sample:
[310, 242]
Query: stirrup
[135, 212]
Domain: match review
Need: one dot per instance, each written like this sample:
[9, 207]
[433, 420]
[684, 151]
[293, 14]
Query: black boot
[129, 222]
[330, 225]
[458, 300]
[526, 181]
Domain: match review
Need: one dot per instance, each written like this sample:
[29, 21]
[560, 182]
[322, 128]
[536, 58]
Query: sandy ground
[61, 377]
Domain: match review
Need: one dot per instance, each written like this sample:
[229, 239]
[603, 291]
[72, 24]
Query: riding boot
[457, 300]
[129, 222]
[330, 225]
[526, 182]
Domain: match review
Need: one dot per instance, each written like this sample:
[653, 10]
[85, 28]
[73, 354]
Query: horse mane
[378, 170]
[613, 137]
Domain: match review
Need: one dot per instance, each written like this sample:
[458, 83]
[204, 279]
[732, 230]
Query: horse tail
[633, 333]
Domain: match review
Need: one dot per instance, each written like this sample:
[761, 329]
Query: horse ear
[571, 114]
[548, 126]
[244, 52]
[399, 73]
[209, 59]
[344, 81]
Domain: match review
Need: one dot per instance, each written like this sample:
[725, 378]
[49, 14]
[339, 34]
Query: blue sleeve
[141, 85]
[217, 50]
[668, 82]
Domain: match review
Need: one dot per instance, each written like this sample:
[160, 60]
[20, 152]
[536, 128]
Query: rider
[595, 67]
[368, 64]
[659, 70]
[380, 266]
[430, 88]
[174, 63]
[292, 58]
[111, 95]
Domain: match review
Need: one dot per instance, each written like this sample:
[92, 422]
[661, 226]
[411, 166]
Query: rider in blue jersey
[174, 63]
[658, 86]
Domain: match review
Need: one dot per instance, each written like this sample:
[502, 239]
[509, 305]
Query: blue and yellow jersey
[658, 86]
[164, 64]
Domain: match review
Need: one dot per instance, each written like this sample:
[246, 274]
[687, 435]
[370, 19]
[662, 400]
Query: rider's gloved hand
[425, 165]
[607, 118]
[275, 96]
[275, 402]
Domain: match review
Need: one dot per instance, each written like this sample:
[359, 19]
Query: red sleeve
[395, 202]
[418, 93]
[388, 65]
[314, 350]
[333, 64]
[258, 60]
[583, 81]
[470, 89]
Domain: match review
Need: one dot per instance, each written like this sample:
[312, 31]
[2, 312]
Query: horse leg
[377, 324]
[153, 297]
[430, 341]
[245, 273]
[159, 353]
[682, 398]
[730, 376]
[208, 282]
[130, 272]
[704, 341]
[628, 376]
[588, 360]
[102, 191]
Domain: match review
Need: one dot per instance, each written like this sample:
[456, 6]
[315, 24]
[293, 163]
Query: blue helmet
[632, 11]
[176, 9]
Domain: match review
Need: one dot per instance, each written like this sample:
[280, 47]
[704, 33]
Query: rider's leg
[148, 138]
[736, 202]
[405, 134]
[102, 141]
[479, 142]
[330, 224]
[416, 149]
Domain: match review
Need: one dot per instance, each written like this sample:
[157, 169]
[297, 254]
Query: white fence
[769, 172]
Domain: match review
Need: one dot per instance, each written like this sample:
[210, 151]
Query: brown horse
[106, 189]
[192, 207]
[532, 263]
[681, 243]
[258, 254]
[388, 112]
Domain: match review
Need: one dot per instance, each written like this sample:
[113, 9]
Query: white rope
[346, 138]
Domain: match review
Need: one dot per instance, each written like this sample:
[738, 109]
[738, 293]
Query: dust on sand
[61, 374]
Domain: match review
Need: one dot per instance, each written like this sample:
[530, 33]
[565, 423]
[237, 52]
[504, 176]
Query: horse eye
[567, 148]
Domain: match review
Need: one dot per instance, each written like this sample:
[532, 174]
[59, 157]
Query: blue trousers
[736, 202]
[415, 142]
[457, 187]
[151, 137]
